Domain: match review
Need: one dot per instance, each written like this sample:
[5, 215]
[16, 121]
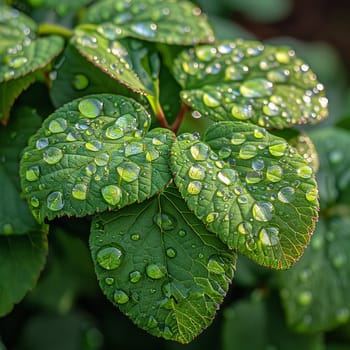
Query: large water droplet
[134, 148]
[278, 148]
[90, 107]
[80, 81]
[42, 143]
[242, 112]
[55, 201]
[135, 276]
[128, 171]
[164, 221]
[256, 88]
[171, 252]
[58, 125]
[32, 173]
[274, 173]
[109, 257]
[194, 187]
[211, 217]
[262, 211]
[211, 101]
[114, 132]
[258, 164]
[269, 236]
[205, 53]
[112, 194]
[200, 151]
[34, 201]
[286, 194]
[304, 172]
[152, 155]
[93, 145]
[120, 297]
[79, 191]
[216, 265]
[227, 176]
[90, 169]
[305, 298]
[102, 159]
[253, 177]
[145, 29]
[238, 138]
[52, 155]
[155, 271]
[248, 151]
[244, 228]
[196, 172]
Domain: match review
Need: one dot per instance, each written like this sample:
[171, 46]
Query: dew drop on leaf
[18, 62]
[112, 194]
[32, 173]
[286, 194]
[135, 276]
[146, 29]
[262, 211]
[80, 81]
[52, 155]
[196, 172]
[269, 236]
[171, 252]
[55, 201]
[194, 187]
[155, 271]
[34, 202]
[93, 145]
[210, 101]
[128, 171]
[278, 149]
[200, 151]
[211, 217]
[164, 221]
[42, 143]
[102, 159]
[244, 112]
[79, 191]
[110, 257]
[90, 107]
[304, 172]
[109, 281]
[114, 132]
[244, 228]
[274, 173]
[58, 125]
[254, 88]
[238, 138]
[215, 265]
[247, 151]
[152, 155]
[120, 297]
[304, 298]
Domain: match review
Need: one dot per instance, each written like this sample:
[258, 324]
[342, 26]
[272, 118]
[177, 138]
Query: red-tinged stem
[179, 118]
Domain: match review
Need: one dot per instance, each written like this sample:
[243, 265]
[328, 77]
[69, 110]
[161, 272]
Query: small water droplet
[34, 201]
[182, 233]
[254, 88]
[79, 191]
[80, 81]
[93, 145]
[52, 155]
[58, 125]
[155, 271]
[262, 211]
[253, 177]
[243, 112]
[196, 172]
[90, 169]
[152, 155]
[286, 194]
[112, 194]
[128, 171]
[244, 228]
[32, 173]
[258, 164]
[278, 148]
[211, 217]
[109, 281]
[88, 41]
[42, 143]
[17, 62]
[109, 257]
[304, 298]
[238, 138]
[101, 159]
[274, 173]
[216, 265]
[55, 201]
[304, 172]
[224, 152]
[114, 132]
[90, 107]
[164, 221]
[200, 151]
[145, 29]
[135, 276]
[120, 297]
[211, 101]
[269, 236]
[194, 187]
[171, 252]
[134, 148]
[248, 151]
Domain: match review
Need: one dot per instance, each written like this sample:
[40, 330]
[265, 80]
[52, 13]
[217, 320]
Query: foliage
[112, 160]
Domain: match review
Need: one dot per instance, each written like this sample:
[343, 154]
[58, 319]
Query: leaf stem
[51, 28]
[179, 118]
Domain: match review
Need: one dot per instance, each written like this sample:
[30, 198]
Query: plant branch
[179, 118]
[50, 28]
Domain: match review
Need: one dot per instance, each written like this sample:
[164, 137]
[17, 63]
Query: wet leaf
[94, 154]
[21, 261]
[15, 217]
[164, 21]
[248, 186]
[63, 7]
[160, 266]
[269, 328]
[315, 291]
[249, 81]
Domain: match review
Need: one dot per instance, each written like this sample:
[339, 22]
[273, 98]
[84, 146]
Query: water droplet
[258, 164]
[305, 298]
[135, 276]
[79, 191]
[102, 159]
[253, 177]
[109, 257]
[244, 228]
[216, 265]
[109, 281]
[282, 56]
[114, 132]
[55, 201]
[152, 155]
[211, 217]
[171, 252]
[244, 112]
[269, 236]
[34, 201]
[135, 237]
[200, 151]
[278, 75]
[93, 145]
[157, 141]
[90, 107]
[304, 172]
[224, 152]
[42, 143]
[182, 233]
[58, 125]
[17, 62]
[194, 187]
[211, 101]
[112, 194]
[262, 211]
[52, 155]
[152, 322]
[90, 169]
[274, 173]
[88, 41]
[134, 148]
[278, 148]
[155, 271]
[259, 133]
[196, 172]
[80, 81]
[238, 138]
[120, 297]
[32, 173]
[286, 194]
[227, 176]
[164, 221]
[256, 88]
[247, 151]
[128, 171]
[71, 137]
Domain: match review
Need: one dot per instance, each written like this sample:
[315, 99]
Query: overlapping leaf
[161, 267]
[15, 217]
[63, 7]
[315, 292]
[21, 260]
[249, 187]
[166, 21]
[94, 154]
[247, 80]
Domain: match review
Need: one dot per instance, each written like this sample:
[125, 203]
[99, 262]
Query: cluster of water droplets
[280, 91]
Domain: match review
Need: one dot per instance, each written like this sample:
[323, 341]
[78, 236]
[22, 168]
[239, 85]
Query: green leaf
[248, 186]
[249, 81]
[269, 328]
[15, 217]
[77, 77]
[164, 21]
[160, 266]
[21, 261]
[109, 55]
[94, 154]
[63, 7]
[315, 292]
[332, 145]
